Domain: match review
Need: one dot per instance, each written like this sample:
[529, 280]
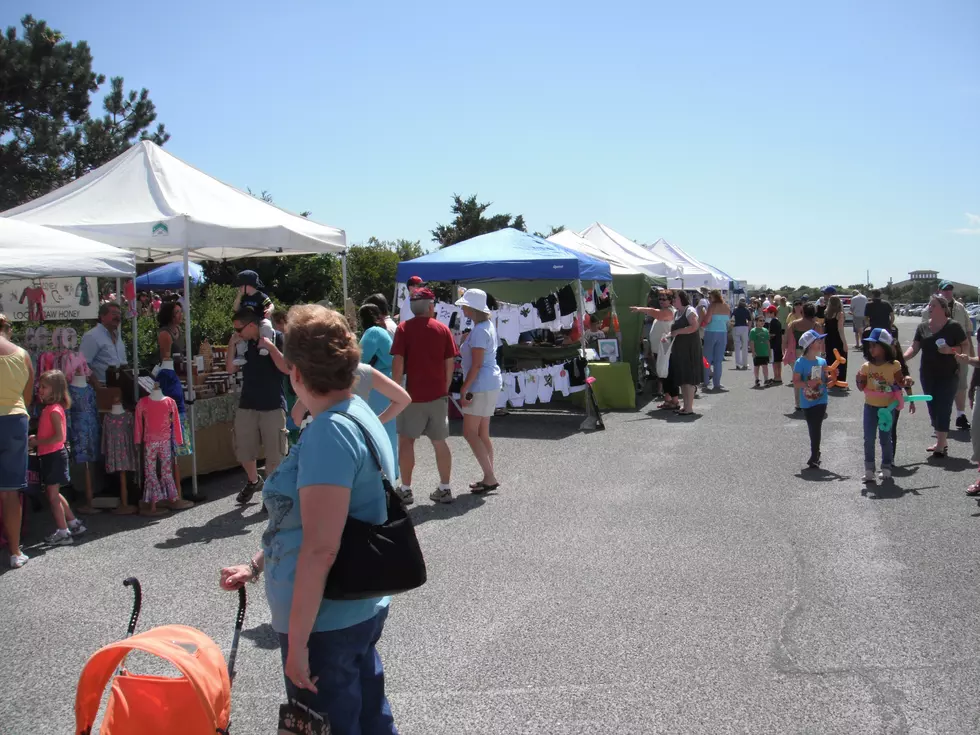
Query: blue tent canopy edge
[170, 275]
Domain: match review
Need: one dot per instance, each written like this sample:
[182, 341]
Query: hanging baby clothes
[35, 297]
[117, 443]
[171, 387]
[157, 426]
[83, 424]
[82, 292]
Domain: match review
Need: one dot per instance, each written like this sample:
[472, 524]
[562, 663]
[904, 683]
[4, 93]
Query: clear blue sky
[781, 141]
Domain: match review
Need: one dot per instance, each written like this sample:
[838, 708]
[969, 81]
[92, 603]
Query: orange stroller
[196, 703]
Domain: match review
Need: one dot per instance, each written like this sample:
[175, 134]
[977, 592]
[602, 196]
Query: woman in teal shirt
[329, 647]
[376, 351]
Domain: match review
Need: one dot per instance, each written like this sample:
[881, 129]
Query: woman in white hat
[481, 384]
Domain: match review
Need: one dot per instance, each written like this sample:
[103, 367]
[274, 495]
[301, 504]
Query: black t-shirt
[775, 330]
[261, 380]
[256, 302]
[935, 365]
[546, 308]
[742, 316]
[567, 302]
[878, 314]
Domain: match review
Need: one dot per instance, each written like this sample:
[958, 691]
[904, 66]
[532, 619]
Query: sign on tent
[49, 299]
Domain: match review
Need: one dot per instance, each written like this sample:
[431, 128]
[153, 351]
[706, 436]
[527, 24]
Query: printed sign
[49, 299]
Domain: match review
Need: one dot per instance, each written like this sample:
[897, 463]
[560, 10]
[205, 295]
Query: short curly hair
[320, 344]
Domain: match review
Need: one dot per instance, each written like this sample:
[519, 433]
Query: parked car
[848, 317]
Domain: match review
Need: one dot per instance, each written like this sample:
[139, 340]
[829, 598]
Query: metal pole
[190, 368]
[136, 352]
[343, 271]
[590, 420]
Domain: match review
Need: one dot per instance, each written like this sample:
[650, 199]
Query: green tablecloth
[613, 386]
[217, 410]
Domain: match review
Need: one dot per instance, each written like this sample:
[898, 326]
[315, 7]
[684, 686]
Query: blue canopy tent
[512, 255]
[505, 255]
[170, 275]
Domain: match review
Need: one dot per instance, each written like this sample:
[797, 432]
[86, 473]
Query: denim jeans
[885, 437]
[350, 679]
[714, 353]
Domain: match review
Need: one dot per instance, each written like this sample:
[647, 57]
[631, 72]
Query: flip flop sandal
[482, 488]
[685, 413]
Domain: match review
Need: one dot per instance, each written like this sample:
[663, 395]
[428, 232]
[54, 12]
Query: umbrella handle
[137, 603]
[239, 622]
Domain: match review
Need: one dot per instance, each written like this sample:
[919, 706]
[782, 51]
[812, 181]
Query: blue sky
[782, 142]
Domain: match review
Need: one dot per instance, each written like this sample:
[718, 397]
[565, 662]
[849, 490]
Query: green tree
[47, 137]
[555, 229]
[371, 268]
[470, 221]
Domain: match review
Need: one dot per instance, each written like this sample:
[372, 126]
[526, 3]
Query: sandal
[685, 413]
[478, 488]
[936, 452]
[974, 489]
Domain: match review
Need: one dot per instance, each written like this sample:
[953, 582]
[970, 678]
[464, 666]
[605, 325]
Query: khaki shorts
[425, 419]
[859, 322]
[256, 431]
[483, 404]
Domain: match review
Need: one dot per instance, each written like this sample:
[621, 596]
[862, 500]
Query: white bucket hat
[476, 299]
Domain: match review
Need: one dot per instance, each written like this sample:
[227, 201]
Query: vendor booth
[55, 272]
[151, 203]
[695, 274]
[632, 278]
[523, 273]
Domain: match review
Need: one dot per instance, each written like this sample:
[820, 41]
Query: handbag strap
[368, 441]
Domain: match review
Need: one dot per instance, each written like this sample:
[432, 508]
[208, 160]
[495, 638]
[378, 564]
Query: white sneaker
[441, 496]
[869, 475]
[885, 474]
[60, 538]
[77, 529]
[405, 495]
[16, 562]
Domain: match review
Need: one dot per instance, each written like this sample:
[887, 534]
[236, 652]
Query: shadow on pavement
[233, 523]
[819, 474]
[890, 490]
[798, 415]
[262, 636]
[463, 503]
[532, 423]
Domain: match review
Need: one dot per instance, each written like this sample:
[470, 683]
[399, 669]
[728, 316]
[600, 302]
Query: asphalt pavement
[666, 575]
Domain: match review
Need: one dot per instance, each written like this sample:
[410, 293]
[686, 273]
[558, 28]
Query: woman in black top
[939, 339]
[834, 329]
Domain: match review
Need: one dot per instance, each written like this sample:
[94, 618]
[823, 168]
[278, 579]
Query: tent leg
[189, 364]
[343, 273]
[592, 419]
[136, 353]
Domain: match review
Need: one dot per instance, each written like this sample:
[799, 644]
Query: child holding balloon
[881, 380]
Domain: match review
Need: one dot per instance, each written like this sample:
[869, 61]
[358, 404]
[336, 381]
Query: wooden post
[88, 509]
[124, 508]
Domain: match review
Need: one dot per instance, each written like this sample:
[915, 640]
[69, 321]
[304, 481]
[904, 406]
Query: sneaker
[885, 474]
[962, 423]
[16, 562]
[248, 491]
[869, 475]
[60, 538]
[757, 383]
[405, 495]
[76, 529]
[441, 496]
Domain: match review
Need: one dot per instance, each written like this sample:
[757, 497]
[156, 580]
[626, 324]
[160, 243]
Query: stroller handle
[239, 622]
[137, 603]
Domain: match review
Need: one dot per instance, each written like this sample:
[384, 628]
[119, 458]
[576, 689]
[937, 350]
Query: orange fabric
[198, 702]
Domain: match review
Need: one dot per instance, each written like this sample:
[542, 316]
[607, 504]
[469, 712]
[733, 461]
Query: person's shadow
[444, 511]
[819, 474]
[890, 490]
[229, 524]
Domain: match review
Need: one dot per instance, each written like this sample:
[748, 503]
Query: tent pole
[136, 352]
[590, 419]
[188, 362]
[343, 272]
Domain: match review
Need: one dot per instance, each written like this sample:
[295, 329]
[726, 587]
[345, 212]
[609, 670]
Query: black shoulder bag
[376, 560]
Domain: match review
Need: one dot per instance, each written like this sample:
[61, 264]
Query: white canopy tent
[621, 248]
[150, 202]
[695, 274]
[32, 251]
[573, 241]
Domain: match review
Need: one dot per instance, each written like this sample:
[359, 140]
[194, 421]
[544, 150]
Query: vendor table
[613, 387]
[213, 438]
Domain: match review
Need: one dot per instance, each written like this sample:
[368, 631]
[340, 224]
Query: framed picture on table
[609, 350]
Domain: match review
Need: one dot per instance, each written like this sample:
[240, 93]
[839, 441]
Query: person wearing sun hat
[958, 314]
[481, 384]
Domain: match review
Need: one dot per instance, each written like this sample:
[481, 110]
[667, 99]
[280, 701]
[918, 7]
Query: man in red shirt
[425, 351]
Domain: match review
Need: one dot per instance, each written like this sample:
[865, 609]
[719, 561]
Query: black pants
[896, 413]
[814, 423]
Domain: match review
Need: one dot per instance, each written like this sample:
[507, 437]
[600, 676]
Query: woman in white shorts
[481, 385]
